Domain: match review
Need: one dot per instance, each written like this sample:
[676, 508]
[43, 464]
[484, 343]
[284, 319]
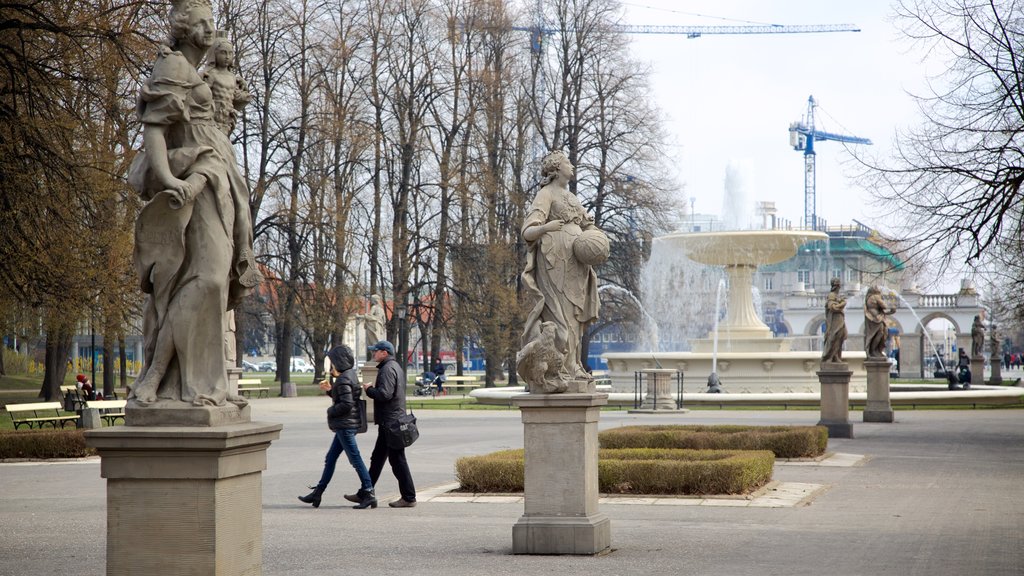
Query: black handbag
[402, 432]
[363, 424]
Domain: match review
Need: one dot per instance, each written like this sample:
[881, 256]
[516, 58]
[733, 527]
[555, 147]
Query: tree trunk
[123, 359]
[108, 366]
[58, 345]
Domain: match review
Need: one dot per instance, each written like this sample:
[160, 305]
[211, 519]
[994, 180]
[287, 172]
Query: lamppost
[403, 338]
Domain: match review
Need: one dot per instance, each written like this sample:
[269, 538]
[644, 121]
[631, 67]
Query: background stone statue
[995, 348]
[977, 337]
[193, 238]
[563, 246]
[374, 321]
[875, 326]
[835, 324]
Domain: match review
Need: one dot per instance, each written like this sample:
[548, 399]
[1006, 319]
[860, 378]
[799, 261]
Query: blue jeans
[345, 441]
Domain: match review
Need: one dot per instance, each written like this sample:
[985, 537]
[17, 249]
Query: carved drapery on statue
[560, 285]
[835, 324]
[193, 250]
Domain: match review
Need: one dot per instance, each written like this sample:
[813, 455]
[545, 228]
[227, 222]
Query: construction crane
[802, 136]
[537, 33]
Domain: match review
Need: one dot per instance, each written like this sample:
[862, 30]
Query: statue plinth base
[184, 500]
[561, 490]
[835, 399]
[977, 370]
[878, 407]
[175, 413]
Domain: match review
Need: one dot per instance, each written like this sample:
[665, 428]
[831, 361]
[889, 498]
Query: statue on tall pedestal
[875, 327]
[193, 240]
[374, 321]
[977, 337]
[835, 324]
[563, 246]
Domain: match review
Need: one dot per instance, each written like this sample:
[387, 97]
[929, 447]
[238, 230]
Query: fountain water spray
[924, 329]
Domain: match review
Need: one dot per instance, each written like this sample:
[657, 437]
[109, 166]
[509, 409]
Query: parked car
[249, 366]
[267, 366]
[300, 365]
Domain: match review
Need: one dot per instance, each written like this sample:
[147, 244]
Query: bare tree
[956, 178]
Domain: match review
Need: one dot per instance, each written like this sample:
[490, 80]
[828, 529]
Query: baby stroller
[425, 384]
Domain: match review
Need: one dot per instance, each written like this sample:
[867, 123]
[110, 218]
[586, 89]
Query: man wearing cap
[388, 393]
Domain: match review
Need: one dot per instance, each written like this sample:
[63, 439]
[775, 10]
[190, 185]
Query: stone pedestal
[561, 490]
[184, 500]
[660, 384]
[90, 418]
[835, 399]
[878, 407]
[234, 374]
[997, 371]
[977, 370]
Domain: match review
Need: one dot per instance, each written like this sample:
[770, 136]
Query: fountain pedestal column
[835, 399]
[977, 370]
[997, 371]
[878, 408]
[659, 391]
[560, 490]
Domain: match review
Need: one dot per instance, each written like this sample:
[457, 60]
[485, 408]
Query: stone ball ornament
[591, 247]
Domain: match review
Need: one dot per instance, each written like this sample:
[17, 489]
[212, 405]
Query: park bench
[248, 386]
[73, 401]
[37, 415]
[110, 410]
[457, 382]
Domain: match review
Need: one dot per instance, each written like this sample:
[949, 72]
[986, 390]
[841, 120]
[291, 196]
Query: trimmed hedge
[43, 444]
[635, 471]
[783, 441]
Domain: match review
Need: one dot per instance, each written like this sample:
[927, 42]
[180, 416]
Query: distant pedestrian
[388, 393]
[439, 377]
[345, 419]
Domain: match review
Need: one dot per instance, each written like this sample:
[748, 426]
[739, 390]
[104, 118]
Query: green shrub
[496, 472]
[44, 444]
[783, 441]
[635, 471]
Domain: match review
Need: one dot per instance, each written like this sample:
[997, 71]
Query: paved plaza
[936, 493]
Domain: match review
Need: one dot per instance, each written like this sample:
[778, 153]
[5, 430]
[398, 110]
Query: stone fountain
[749, 359]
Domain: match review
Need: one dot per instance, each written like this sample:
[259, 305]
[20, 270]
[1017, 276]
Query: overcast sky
[731, 98]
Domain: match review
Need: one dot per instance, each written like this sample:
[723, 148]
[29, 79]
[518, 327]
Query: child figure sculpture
[229, 93]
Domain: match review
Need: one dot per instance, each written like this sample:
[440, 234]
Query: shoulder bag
[402, 432]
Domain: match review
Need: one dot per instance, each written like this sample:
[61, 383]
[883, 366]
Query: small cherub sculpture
[539, 363]
[229, 93]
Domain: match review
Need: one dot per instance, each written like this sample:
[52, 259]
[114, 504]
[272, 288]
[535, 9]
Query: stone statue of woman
[560, 285]
[875, 328]
[193, 238]
[835, 324]
[977, 337]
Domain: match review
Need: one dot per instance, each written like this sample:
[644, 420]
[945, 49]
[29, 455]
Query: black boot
[313, 497]
[367, 500]
[357, 497]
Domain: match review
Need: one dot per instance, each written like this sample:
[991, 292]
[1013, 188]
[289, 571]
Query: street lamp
[403, 342]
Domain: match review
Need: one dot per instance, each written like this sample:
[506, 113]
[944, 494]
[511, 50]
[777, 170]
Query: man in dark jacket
[388, 393]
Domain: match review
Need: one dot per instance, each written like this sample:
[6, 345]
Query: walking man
[388, 393]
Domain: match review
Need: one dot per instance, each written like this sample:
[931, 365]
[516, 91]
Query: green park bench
[248, 386]
[110, 410]
[37, 415]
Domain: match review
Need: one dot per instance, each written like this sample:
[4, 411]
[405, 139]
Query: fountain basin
[740, 372]
[977, 396]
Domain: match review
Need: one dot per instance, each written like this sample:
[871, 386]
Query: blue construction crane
[537, 33]
[802, 136]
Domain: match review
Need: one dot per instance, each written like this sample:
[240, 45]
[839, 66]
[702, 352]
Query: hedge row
[635, 471]
[44, 444]
[783, 441]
